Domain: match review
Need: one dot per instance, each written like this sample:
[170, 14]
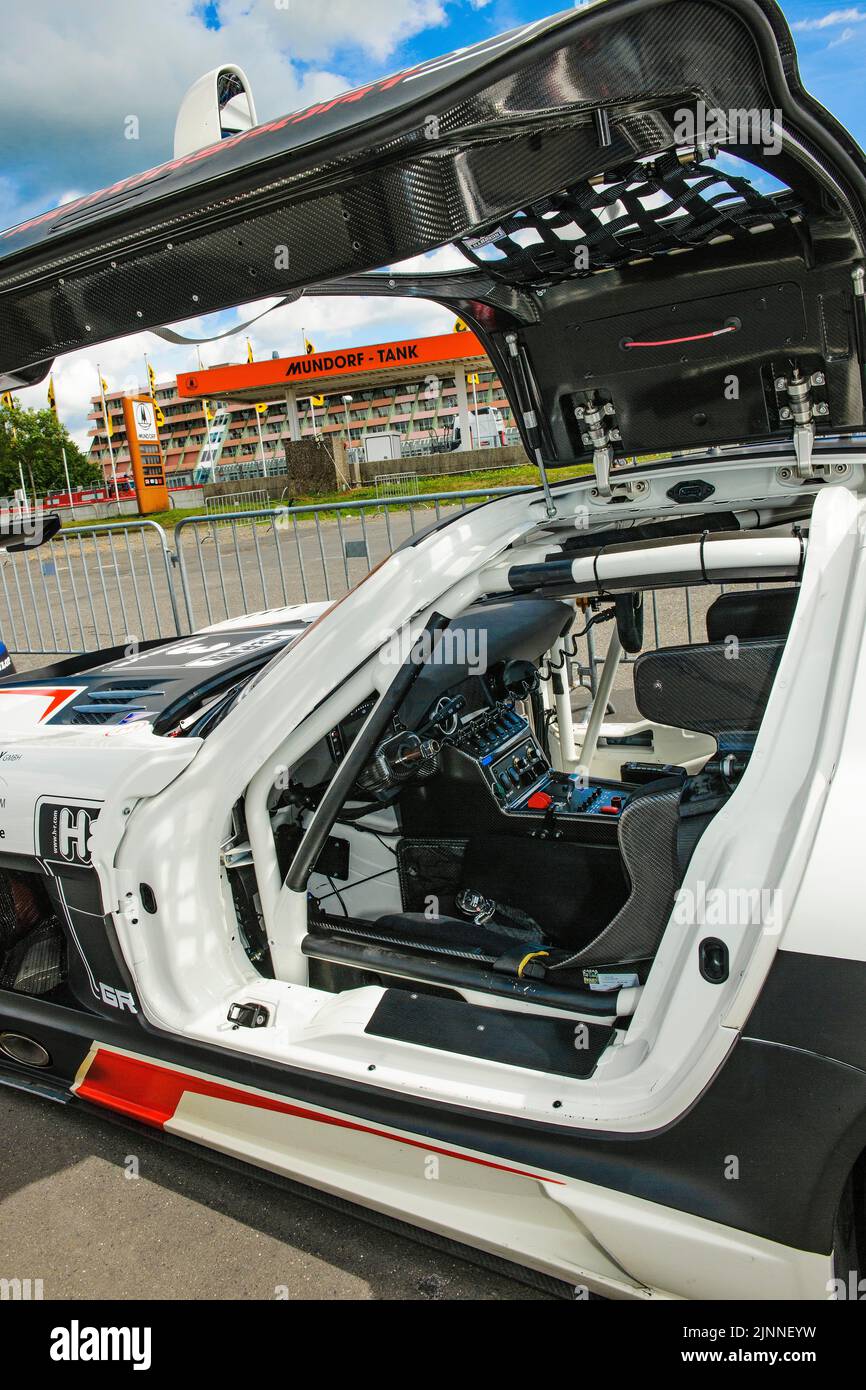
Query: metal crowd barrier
[115, 583]
[285, 555]
[89, 587]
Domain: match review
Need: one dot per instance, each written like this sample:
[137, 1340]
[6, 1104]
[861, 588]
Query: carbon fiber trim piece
[648, 844]
[714, 688]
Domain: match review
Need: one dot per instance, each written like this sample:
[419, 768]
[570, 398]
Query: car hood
[661, 232]
[157, 684]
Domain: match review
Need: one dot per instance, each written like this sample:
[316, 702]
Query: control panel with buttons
[519, 774]
[569, 796]
[483, 736]
[515, 773]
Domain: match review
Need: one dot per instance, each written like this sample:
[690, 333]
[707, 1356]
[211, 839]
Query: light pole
[347, 401]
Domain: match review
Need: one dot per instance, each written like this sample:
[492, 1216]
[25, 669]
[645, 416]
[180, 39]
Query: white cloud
[73, 74]
[845, 37]
[832, 19]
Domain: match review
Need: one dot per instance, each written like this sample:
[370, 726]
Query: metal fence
[396, 485]
[255, 500]
[106, 585]
[265, 559]
[89, 587]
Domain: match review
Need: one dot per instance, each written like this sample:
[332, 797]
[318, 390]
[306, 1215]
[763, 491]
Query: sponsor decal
[21, 706]
[204, 653]
[117, 998]
[64, 832]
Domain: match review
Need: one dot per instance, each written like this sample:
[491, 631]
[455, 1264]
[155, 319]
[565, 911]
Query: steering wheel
[520, 679]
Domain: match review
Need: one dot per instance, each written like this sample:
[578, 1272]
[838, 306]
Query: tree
[34, 440]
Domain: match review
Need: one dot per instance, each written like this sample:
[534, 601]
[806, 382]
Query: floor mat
[560, 1046]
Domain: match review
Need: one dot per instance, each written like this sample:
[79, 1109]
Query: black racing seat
[693, 687]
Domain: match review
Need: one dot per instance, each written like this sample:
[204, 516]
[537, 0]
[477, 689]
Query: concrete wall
[468, 461]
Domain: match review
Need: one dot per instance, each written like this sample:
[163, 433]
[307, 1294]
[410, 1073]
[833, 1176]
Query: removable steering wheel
[520, 679]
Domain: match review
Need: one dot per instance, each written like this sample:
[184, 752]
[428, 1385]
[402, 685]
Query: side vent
[110, 704]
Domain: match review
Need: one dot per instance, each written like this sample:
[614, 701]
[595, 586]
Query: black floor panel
[561, 1046]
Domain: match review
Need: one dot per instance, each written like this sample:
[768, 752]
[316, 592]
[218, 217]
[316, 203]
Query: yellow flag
[318, 401]
[460, 326]
[6, 399]
[160, 418]
[52, 399]
[261, 410]
[308, 347]
[250, 357]
[474, 379]
[207, 410]
[109, 427]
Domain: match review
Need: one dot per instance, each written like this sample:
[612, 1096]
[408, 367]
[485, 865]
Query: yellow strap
[526, 959]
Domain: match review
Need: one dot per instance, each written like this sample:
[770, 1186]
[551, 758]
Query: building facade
[422, 412]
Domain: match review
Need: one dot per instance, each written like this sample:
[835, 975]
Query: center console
[514, 767]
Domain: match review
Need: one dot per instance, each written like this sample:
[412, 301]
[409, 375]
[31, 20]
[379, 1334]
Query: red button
[610, 810]
[539, 801]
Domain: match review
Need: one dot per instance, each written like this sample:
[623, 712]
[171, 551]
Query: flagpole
[251, 359]
[205, 405]
[477, 422]
[151, 390]
[261, 441]
[108, 433]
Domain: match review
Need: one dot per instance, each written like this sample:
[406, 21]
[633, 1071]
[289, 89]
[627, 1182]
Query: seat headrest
[714, 688]
[751, 613]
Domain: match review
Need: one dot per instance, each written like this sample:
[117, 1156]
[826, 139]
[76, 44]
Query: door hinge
[799, 407]
[599, 431]
[234, 856]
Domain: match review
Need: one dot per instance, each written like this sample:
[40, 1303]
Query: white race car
[341, 892]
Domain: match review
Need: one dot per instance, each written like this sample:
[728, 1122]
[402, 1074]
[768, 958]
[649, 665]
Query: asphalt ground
[186, 1228]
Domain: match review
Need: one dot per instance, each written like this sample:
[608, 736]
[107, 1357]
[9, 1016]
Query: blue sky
[75, 72]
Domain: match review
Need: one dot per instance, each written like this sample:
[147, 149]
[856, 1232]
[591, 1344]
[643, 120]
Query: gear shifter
[475, 906]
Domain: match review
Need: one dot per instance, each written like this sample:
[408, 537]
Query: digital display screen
[476, 695]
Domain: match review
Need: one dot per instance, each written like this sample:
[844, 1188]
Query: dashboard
[463, 746]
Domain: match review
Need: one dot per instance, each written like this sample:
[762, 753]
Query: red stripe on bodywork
[55, 698]
[151, 1094]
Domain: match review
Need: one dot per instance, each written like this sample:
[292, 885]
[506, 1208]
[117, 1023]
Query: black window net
[652, 209]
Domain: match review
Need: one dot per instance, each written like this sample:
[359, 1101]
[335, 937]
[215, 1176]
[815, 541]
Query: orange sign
[148, 470]
[317, 366]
